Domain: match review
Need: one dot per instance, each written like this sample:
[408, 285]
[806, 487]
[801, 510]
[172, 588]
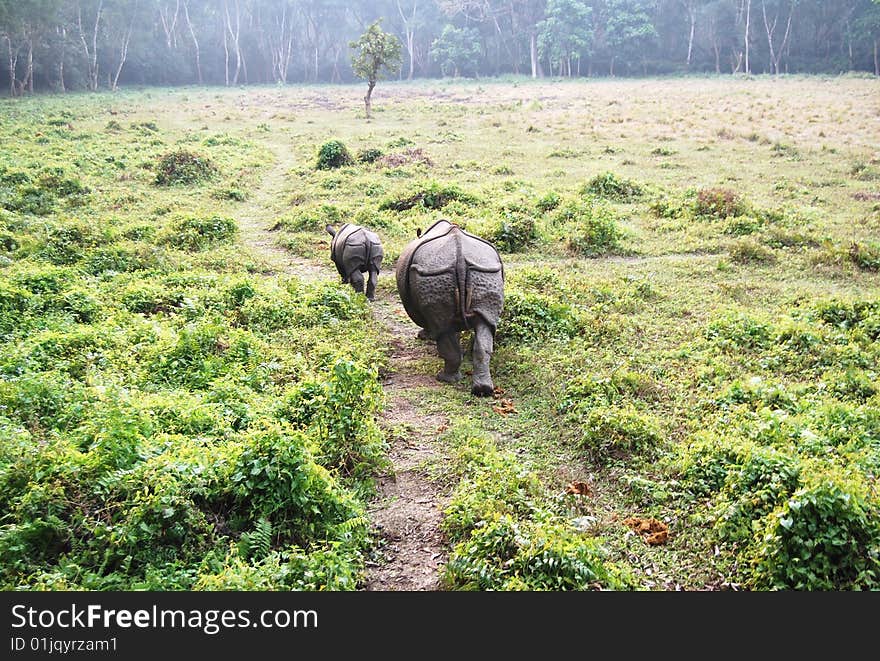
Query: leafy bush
[340, 411]
[431, 196]
[589, 228]
[548, 202]
[276, 478]
[183, 167]
[747, 251]
[516, 230]
[504, 536]
[826, 536]
[530, 318]
[586, 391]
[150, 298]
[333, 154]
[612, 187]
[718, 203]
[865, 255]
[369, 155]
[618, 432]
[506, 554]
[734, 331]
[67, 241]
[194, 233]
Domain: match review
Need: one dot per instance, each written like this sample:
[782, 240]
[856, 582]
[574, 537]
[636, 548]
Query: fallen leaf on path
[656, 532]
[579, 488]
[497, 392]
[504, 407]
[657, 538]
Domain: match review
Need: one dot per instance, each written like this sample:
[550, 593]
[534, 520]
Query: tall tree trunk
[91, 54]
[368, 103]
[410, 35]
[123, 54]
[533, 52]
[192, 33]
[876, 59]
[169, 25]
[692, 17]
[63, 31]
[29, 73]
[748, 22]
[234, 39]
[12, 63]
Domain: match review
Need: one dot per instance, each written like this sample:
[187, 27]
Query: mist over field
[685, 197]
[90, 44]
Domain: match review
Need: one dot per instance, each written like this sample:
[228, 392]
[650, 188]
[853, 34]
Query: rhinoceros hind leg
[483, 344]
[424, 334]
[449, 347]
[371, 285]
[357, 281]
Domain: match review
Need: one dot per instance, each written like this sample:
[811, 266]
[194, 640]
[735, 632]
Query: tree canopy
[377, 54]
[91, 44]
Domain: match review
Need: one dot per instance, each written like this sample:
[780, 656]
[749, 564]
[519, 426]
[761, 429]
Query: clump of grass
[333, 154]
[506, 536]
[718, 203]
[410, 156]
[193, 233]
[531, 317]
[617, 432]
[369, 155]
[865, 255]
[589, 228]
[516, 229]
[748, 250]
[183, 167]
[612, 187]
[431, 196]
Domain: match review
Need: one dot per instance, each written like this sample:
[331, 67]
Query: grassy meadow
[687, 366]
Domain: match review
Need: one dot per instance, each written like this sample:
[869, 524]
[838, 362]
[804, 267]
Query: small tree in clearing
[377, 53]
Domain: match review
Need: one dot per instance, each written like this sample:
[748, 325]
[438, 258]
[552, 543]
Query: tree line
[91, 44]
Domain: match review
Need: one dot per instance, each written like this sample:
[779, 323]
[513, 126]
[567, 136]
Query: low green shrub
[826, 536]
[333, 154]
[339, 411]
[619, 431]
[515, 231]
[608, 185]
[183, 167]
[529, 318]
[430, 196]
[588, 228]
[193, 233]
[736, 331]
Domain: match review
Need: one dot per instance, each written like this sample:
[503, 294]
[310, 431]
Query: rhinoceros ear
[419, 232]
[330, 230]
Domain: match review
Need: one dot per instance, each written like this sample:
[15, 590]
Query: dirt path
[255, 223]
[406, 514]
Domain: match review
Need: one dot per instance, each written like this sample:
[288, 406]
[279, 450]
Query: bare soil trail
[255, 222]
[407, 511]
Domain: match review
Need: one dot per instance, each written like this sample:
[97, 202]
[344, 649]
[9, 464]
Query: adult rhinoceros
[451, 281]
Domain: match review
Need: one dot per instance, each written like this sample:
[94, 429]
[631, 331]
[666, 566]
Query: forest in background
[57, 45]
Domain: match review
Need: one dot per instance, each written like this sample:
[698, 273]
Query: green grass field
[691, 334]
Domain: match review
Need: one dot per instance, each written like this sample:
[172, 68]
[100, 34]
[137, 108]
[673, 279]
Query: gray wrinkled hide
[451, 281]
[356, 250]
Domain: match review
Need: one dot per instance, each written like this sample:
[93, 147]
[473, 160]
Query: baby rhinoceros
[355, 250]
[451, 281]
